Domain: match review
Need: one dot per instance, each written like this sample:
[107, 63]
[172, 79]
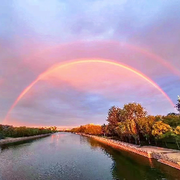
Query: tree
[160, 128]
[146, 126]
[105, 131]
[113, 119]
[1, 132]
[172, 120]
[178, 104]
[132, 129]
[177, 136]
[177, 130]
[162, 131]
[122, 130]
[126, 130]
[53, 128]
[133, 112]
[82, 129]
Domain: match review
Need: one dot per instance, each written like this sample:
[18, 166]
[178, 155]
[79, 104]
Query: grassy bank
[23, 131]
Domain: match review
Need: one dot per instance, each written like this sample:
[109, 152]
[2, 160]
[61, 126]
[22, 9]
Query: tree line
[132, 124]
[91, 129]
[23, 131]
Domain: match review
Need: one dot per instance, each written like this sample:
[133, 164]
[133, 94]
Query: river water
[66, 156]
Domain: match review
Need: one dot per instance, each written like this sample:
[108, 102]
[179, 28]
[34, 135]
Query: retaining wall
[161, 157]
[19, 139]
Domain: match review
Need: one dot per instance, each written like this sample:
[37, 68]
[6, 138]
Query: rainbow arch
[71, 63]
[132, 47]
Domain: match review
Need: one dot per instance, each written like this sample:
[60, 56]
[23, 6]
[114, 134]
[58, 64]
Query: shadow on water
[16, 145]
[130, 166]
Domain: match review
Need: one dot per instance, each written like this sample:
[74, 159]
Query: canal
[66, 156]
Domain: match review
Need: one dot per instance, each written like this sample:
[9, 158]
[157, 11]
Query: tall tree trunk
[177, 144]
[139, 139]
[135, 140]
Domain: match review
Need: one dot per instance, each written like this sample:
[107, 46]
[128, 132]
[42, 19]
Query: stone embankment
[19, 139]
[166, 156]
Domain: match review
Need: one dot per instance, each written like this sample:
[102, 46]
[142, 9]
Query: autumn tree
[160, 128]
[133, 112]
[177, 130]
[146, 127]
[113, 119]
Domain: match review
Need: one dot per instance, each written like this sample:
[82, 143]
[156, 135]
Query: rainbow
[132, 47]
[71, 63]
[155, 57]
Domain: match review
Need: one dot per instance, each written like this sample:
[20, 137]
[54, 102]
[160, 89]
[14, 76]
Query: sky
[36, 36]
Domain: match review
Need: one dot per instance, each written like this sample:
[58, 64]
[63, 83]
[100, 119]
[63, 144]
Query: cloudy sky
[37, 35]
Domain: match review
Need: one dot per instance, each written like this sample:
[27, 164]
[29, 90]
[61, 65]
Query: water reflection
[16, 145]
[65, 156]
[134, 167]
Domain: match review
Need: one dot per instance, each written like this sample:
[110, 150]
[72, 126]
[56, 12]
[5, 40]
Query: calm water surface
[65, 156]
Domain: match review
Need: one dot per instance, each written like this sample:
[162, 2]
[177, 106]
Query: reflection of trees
[16, 145]
[82, 139]
[130, 166]
[19, 144]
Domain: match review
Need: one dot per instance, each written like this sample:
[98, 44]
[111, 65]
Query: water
[65, 156]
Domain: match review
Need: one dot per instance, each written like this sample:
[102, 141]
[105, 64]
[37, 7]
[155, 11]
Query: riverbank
[166, 156]
[19, 139]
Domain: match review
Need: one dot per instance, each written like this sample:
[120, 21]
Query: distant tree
[104, 128]
[171, 114]
[93, 129]
[178, 104]
[1, 132]
[82, 129]
[53, 128]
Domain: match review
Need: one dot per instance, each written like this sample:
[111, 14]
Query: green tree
[172, 120]
[178, 104]
[177, 136]
[122, 131]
